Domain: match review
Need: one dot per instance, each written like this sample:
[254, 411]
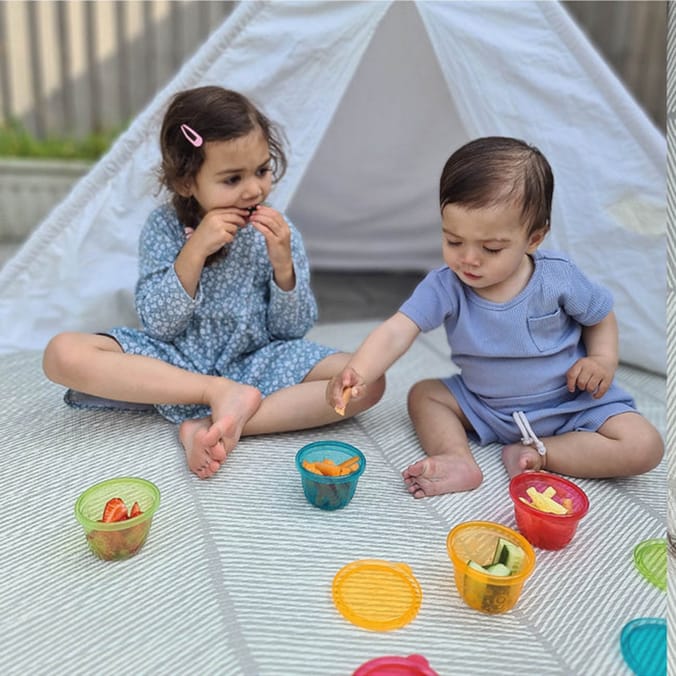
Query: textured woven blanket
[236, 575]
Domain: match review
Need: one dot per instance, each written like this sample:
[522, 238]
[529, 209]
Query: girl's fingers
[271, 219]
[273, 229]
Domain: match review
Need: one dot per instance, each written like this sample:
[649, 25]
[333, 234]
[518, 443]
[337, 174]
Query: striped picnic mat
[236, 575]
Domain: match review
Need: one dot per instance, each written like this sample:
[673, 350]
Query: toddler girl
[223, 296]
[535, 339]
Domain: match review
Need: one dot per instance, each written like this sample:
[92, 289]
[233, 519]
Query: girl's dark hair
[497, 169]
[216, 114]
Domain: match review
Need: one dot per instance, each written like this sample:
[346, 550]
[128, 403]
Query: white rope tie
[528, 437]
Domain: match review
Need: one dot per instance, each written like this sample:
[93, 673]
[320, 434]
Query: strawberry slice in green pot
[115, 510]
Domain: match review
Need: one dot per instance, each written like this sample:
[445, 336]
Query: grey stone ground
[346, 296]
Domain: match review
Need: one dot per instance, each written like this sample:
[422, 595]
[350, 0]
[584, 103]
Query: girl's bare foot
[203, 458]
[519, 458]
[442, 474]
[231, 407]
[207, 442]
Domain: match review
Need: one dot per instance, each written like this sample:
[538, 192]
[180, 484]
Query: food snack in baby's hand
[347, 393]
[545, 501]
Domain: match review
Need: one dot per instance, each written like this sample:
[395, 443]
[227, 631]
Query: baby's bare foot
[518, 458]
[203, 458]
[442, 474]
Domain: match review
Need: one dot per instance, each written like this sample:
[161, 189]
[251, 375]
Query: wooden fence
[88, 65]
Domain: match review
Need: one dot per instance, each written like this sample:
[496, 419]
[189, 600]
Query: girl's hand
[347, 379]
[271, 224]
[590, 374]
[217, 229]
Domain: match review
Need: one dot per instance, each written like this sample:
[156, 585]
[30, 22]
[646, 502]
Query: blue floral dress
[240, 325]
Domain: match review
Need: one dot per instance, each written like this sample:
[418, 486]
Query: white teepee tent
[373, 97]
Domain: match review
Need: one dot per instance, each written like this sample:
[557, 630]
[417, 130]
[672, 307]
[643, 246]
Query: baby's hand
[217, 228]
[342, 387]
[590, 374]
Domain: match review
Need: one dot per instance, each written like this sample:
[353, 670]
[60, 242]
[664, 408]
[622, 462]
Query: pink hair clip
[191, 135]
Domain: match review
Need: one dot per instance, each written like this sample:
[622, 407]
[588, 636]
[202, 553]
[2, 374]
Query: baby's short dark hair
[496, 169]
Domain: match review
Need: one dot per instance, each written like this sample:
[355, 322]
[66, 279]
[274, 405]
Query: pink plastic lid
[392, 665]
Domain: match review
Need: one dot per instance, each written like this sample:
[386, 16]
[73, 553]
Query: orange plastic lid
[377, 595]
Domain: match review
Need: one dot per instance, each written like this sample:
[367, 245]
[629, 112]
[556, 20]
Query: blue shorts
[551, 414]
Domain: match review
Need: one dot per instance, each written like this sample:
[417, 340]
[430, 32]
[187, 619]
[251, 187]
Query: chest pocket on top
[547, 331]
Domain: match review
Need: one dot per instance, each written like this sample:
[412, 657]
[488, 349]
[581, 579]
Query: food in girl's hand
[328, 467]
[545, 501]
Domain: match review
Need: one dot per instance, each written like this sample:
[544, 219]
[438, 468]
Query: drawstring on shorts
[528, 437]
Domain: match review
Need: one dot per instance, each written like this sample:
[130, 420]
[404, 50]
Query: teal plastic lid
[644, 646]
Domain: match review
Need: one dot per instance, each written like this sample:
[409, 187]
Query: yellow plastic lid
[377, 595]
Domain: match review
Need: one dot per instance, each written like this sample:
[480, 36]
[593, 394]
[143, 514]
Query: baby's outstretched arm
[595, 372]
[381, 348]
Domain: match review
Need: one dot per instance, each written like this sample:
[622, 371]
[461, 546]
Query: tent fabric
[373, 97]
[236, 575]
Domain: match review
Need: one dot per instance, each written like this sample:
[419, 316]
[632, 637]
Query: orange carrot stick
[310, 466]
[349, 461]
[327, 468]
[348, 468]
[347, 393]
